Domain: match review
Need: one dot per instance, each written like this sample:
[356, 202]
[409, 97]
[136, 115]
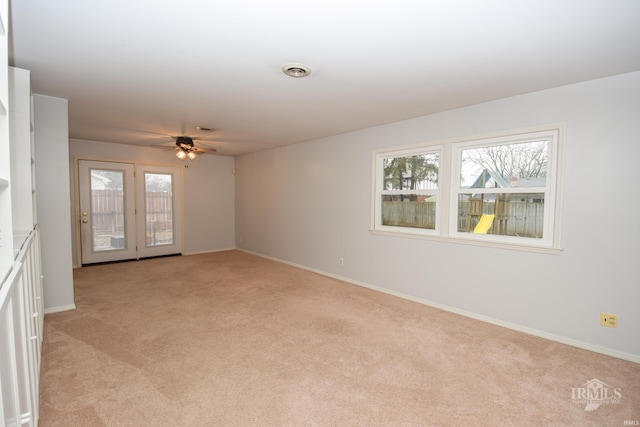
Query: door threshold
[129, 260]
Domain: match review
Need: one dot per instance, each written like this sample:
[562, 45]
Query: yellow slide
[484, 225]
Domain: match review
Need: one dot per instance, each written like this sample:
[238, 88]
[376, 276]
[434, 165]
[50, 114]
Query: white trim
[210, 252]
[448, 187]
[515, 327]
[177, 196]
[189, 253]
[552, 135]
[378, 189]
[59, 308]
[85, 204]
[472, 242]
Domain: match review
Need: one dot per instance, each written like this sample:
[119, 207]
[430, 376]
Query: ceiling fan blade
[207, 143]
[164, 147]
[204, 150]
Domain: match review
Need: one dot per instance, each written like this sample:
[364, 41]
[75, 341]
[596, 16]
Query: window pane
[514, 165]
[409, 210]
[159, 209]
[107, 210]
[520, 215]
[418, 172]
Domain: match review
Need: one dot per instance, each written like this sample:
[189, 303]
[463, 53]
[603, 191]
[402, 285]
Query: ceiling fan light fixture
[181, 154]
[192, 155]
[296, 70]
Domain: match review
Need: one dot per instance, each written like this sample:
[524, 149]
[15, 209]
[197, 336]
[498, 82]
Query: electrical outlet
[610, 320]
[341, 261]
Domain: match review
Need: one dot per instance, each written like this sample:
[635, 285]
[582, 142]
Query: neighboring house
[493, 179]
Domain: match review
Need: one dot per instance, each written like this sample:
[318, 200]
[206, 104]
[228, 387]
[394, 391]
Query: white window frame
[552, 137]
[379, 190]
[449, 188]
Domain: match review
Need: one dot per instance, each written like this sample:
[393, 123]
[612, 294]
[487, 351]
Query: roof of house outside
[487, 176]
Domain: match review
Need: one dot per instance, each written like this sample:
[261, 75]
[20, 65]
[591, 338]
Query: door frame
[75, 208]
[128, 250]
[140, 201]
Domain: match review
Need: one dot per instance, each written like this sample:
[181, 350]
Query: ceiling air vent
[296, 70]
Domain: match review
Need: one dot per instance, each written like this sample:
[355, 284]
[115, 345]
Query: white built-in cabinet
[23, 190]
[21, 293]
[6, 227]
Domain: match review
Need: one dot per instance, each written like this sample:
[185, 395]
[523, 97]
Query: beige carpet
[231, 339]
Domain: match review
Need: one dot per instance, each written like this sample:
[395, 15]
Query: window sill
[490, 244]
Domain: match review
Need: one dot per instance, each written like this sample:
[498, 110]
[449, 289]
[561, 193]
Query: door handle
[84, 221]
[84, 214]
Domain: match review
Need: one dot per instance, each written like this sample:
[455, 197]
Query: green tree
[407, 173]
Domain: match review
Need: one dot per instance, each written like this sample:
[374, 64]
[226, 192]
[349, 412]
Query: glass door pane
[158, 209]
[107, 210]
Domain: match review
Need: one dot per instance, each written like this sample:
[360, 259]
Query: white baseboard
[59, 308]
[209, 252]
[542, 334]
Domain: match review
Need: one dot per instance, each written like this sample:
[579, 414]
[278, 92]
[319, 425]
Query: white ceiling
[136, 70]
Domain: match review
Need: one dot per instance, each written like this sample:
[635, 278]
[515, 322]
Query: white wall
[208, 191]
[310, 203]
[51, 136]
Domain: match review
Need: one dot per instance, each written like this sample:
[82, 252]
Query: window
[510, 181]
[407, 195]
[500, 190]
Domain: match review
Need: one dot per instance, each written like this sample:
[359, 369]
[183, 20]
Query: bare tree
[520, 160]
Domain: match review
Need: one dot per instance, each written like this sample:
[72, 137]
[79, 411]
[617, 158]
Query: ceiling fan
[185, 148]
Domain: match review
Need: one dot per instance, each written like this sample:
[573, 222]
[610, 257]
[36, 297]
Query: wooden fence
[409, 214]
[524, 218]
[107, 210]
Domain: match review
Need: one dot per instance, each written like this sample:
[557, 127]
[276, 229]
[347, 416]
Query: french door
[129, 211]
